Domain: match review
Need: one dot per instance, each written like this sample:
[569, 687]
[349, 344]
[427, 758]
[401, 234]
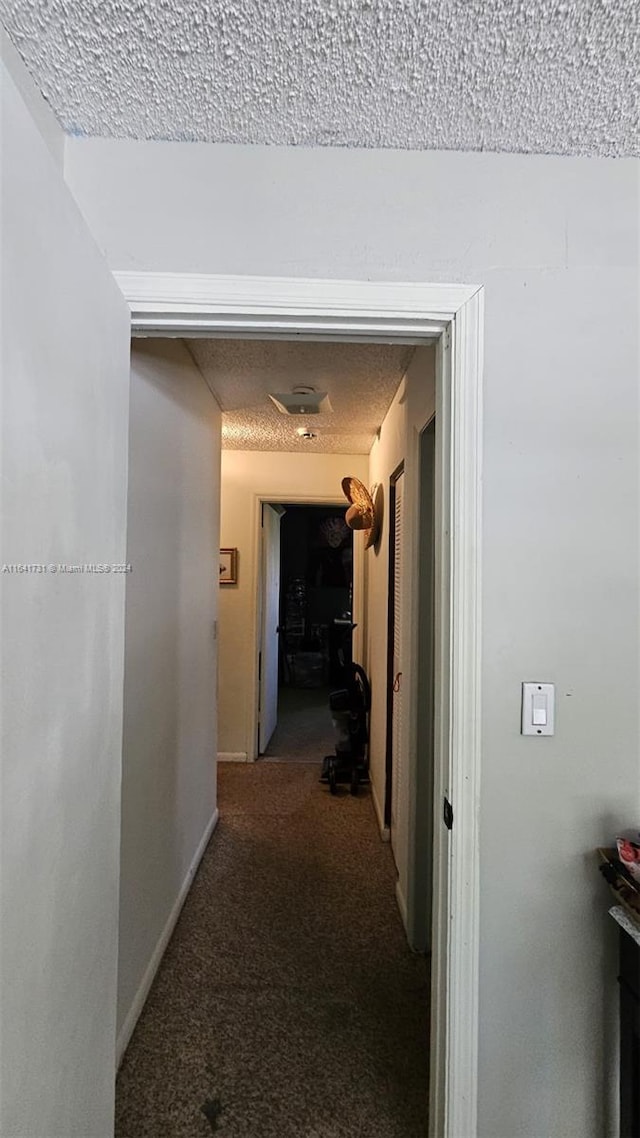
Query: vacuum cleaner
[350, 706]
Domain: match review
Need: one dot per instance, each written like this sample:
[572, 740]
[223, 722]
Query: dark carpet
[304, 726]
[288, 1004]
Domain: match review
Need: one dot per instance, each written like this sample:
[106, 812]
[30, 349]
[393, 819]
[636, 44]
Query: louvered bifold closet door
[397, 769]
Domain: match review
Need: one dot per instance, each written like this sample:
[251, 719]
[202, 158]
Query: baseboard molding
[133, 1015]
[402, 905]
[233, 757]
[384, 830]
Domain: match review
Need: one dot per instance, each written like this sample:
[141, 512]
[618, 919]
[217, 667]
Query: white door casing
[452, 314]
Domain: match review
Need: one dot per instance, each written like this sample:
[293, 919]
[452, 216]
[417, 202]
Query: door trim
[388, 773]
[453, 315]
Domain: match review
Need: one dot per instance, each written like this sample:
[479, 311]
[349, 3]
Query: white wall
[39, 111]
[554, 242]
[412, 407]
[65, 380]
[169, 739]
[247, 475]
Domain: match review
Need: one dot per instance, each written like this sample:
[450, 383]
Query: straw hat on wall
[362, 513]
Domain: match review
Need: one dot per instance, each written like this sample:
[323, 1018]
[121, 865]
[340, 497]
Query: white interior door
[268, 708]
[397, 705]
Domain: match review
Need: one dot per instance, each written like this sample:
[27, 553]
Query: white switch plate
[538, 698]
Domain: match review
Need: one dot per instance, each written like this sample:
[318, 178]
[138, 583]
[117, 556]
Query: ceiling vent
[302, 401]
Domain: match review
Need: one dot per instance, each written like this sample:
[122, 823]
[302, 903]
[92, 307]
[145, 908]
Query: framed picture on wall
[228, 571]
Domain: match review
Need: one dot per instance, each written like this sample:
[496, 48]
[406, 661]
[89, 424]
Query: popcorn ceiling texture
[361, 379]
[539, 76]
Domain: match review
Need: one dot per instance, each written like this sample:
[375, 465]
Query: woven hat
[362, 513]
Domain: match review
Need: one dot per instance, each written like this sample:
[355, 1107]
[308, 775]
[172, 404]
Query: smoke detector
[301, 401]
[306, 434]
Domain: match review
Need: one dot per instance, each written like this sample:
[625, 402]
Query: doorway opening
[330, 311]
[307, 649]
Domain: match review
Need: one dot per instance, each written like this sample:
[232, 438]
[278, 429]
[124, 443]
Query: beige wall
[247, 476]
[169, 738]
[413, 406]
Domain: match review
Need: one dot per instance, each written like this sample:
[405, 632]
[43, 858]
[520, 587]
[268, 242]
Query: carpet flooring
[288, 1004]
[304, 726]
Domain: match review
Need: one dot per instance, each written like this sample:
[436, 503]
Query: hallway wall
[554, 242]
[41, 116]
[413, 405]
[65, 389]
[169, 737]
[246, 475]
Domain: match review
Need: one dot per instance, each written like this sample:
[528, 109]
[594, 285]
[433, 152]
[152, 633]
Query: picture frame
[228, 567]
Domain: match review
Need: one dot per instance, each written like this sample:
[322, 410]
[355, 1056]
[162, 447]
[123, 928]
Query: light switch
[538, 709]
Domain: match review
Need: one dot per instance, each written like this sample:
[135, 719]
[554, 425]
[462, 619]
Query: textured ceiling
[549, 76]
[361, 380]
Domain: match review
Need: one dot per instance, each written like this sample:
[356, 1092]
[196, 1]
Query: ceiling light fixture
[301, 401]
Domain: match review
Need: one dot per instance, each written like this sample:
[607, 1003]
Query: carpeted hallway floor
[288, 1004]
[304, 725]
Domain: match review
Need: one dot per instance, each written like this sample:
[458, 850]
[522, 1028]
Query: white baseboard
[384, 830]
[133, 1014]
[232, 757]
[402, 905]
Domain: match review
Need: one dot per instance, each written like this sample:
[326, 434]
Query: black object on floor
[350, 707]
[212, 1109]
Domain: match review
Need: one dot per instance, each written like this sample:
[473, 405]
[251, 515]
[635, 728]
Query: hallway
[288, 1004]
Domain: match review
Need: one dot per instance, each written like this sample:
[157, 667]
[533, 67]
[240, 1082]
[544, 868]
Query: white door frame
[263, 498]
[265, 307]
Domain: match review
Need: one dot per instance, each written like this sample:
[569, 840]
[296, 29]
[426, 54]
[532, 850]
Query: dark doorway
[316, 596]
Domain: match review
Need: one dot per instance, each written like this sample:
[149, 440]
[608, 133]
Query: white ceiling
[549, 76]
[361, 380]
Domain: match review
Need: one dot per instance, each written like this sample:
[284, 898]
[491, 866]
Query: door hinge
[447, 814]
